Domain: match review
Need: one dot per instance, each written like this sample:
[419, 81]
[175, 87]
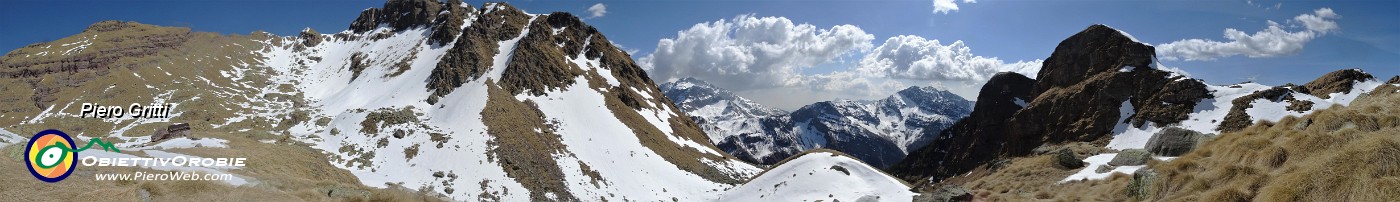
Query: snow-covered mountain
[878, 132]
[738, 126]
[440, 97]
[540, 106]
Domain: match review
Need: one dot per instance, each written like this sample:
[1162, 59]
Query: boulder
[1173, 141]
[946, 193]
[173, 131]
[1104, 168]
[1141, 186]
[1131, 157]
[1065, 158]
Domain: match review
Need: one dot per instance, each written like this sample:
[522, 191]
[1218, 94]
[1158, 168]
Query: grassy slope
[1341, 154]
[196, 75]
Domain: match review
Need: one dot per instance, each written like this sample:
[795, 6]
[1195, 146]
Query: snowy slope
[7, 138]
[737, 125]
[333, 94]
[821, 176]
[591, 132]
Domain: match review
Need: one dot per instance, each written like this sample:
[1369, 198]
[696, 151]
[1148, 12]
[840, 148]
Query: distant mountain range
[878, 132]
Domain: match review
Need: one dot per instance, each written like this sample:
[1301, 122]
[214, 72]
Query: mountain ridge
[1102, 89]
[875, 131]
[437, 97]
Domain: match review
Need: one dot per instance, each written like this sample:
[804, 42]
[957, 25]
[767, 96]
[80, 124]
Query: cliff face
[1088, 79]
[973, 140]
[1079, 95]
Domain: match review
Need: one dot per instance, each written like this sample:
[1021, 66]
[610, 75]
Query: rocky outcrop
[975, 139]
[1084, 84]
[1078, 97]
[85, 53]
[446, 27]
[445, 19]
[171, 131]
[472, 54]
[1067, 160]
[538, 63]
[310, 37]
[1339, 81]
[1130, 157]
[948, 193]
[1174, 141]
[398, 14]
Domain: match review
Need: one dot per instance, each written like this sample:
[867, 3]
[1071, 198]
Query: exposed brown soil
[526, 155]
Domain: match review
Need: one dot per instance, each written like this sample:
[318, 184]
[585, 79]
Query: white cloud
[945, 6]
[916, 58]
[597, 10]
[749, 52]
[1320, 21]
[764, 59]
[1270, 42]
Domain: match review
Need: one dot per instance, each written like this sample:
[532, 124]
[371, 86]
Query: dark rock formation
[445, 19]
[447, 27]
[1085, 82]
[1143, 184]
[972, 140]
[946, 194]
[310, 37]
[1130, 157]
[538, 63]
[472, 54]
[1077, 97]
[1174, 141]
[172, 131]
[1065, 159]
[1339, 81]
[398, 14]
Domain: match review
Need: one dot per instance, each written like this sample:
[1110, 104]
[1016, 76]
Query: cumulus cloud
[945, 6]
[765, 58]
[597, 10]
[1275, 40]
[1320, 21]
[916, 58]
[749, 52]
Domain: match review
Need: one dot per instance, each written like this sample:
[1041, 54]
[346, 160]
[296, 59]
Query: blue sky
[1365, 36]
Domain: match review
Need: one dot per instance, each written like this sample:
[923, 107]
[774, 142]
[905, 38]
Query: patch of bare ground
[524, 145]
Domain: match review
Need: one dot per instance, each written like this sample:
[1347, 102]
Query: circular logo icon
[51, 155]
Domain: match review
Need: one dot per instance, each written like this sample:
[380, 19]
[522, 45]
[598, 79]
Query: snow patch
[821, 176]
[1090, 172]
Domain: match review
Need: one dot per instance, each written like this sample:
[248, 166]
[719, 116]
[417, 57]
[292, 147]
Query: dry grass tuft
[1338, 154]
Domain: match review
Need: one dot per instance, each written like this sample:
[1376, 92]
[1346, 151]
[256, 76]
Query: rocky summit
[1103, 90]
